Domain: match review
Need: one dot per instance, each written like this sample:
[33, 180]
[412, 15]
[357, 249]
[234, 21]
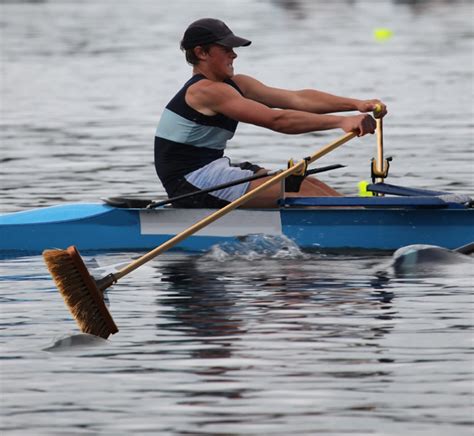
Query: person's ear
[200, 53]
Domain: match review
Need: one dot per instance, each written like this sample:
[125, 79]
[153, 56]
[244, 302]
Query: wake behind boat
[403, 216]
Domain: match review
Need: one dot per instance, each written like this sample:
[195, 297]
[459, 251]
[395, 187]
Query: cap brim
[233, 41]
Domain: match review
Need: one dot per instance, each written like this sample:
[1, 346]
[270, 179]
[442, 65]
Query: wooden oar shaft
[231, 206]
[378, 168]
[380, 161]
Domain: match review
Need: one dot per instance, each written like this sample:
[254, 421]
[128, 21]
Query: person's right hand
[366, 106]
[360, 124]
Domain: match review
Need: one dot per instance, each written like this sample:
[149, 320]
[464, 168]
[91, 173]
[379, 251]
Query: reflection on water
[269, 346]
[202, 308]
[208, 302]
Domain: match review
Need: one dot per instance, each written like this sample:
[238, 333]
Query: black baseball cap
[208, 31]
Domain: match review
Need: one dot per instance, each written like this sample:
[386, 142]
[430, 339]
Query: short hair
[191, 57]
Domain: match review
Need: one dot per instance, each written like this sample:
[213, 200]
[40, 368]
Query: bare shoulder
[209, 88]
[207, 96]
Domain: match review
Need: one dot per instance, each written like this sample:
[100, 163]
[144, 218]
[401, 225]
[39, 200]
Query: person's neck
[198, 69]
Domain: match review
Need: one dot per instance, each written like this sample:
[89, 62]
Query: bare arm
[307, 100]
[217, 97]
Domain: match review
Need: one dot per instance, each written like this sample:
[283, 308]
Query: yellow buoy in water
[382, 34]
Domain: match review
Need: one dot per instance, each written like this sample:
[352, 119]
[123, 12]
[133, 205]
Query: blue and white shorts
[215, 173]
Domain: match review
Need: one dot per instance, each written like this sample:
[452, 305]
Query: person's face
[221, 60]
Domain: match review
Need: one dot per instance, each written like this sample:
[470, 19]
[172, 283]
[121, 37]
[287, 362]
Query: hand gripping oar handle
[112, 278]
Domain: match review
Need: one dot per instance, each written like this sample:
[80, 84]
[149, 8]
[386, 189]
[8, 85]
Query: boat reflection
[216, 307]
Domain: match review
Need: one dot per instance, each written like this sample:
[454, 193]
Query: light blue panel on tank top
[176, 128]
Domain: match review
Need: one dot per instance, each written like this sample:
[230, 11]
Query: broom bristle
[80, 292]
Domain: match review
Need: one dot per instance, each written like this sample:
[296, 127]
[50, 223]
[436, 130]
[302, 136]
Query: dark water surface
[256, 338]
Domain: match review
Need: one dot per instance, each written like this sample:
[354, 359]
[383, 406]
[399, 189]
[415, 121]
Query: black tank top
[186, 139]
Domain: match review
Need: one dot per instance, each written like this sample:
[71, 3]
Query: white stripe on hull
[236, 223]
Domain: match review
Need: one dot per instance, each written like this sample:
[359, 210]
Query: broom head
[80, 292]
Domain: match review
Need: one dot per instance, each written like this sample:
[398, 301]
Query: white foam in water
[256, 246]
[98, 271]
[80, 340]
[99, 268]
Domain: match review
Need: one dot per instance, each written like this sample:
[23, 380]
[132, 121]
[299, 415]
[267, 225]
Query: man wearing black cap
[197, 123]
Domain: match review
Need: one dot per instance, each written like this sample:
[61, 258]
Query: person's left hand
[370, 105]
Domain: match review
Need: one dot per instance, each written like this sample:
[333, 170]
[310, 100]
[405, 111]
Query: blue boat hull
[100, 227]
[379, 229]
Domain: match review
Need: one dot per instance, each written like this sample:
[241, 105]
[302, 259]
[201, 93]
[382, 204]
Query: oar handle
[231, 206]
[379, 162]
[378, 120]
[379, 145]
[378, 111]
